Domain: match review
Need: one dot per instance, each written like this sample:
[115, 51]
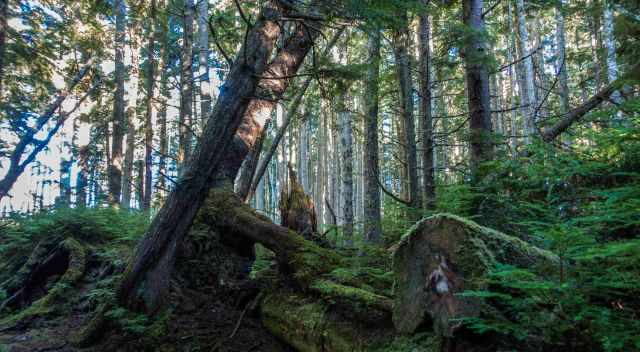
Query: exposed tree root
[67, 261]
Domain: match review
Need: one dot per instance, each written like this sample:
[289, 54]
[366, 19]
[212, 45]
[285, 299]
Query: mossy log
[312, 325]
[66, 262]
[444, 255]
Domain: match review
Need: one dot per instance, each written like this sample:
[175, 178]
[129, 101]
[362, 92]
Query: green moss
[332, 291]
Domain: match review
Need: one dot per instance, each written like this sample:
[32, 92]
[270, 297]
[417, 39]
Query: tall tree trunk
[479, 100]
[426, 120]
[610, 45]
[401, 42]
[117, 135]
[203, 60]
[346, 161]
[186, 88]
[148, 123]
[292, 108]
[132, 107]
[528, 90]
[372, 224]
[151, 266]
[163, 97]
[561, 59]
[82, 180]
[4, 5]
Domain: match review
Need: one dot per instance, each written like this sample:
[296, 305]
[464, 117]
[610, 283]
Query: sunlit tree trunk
[372, 224]
[4, 5]
[148, 120]
[346, 163]
[186, 88]
[115, 166]
[610, 45]
[131, 112]
[203, 60]
[146, 280]
[528, 91]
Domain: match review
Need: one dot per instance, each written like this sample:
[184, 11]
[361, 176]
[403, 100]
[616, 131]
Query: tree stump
[297, 210]
[444, 255]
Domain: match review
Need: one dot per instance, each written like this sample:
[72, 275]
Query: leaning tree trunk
[146, 280]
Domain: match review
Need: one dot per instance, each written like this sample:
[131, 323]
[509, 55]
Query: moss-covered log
[444, 255]
[52, 272]
[313, 325]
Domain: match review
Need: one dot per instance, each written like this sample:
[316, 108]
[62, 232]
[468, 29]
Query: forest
[319, 176]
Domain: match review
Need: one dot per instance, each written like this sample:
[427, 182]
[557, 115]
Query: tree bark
[4, 5]
[203, 60]
[408, 138]
[117, 135]
[146, 279]
[610, 45]
[426, 120]
[561, 58]
[148, 121]
[477, 75]
[272, 86]
[528, 93]
[292, 108]
[131, 114]
[186, 88]
[248, 169]
[372, 219]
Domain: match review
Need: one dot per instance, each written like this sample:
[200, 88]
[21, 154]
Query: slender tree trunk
[150, 267]
[372, 219]
[292, 108]
[163, 97]
[203, 60]
[610, 45]
[561, 59]
[115, 166]
[82, 180]
[186, 88]
[148, 121]
[346, 161]
[528, 92]
[4, 5]
[426, 120]
[403, 66]
[479, 100]
[131, 112]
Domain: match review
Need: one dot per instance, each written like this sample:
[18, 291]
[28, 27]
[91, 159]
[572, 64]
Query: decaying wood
[297, 211]
[444, 255]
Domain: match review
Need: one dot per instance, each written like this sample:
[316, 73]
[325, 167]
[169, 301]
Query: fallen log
[314, 325]
[51, 272]
[444, 255]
